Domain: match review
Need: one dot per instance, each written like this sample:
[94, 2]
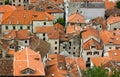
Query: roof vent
[115, 54]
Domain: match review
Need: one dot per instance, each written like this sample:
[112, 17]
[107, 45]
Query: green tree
[116, 73]
[118, 4]
[6, 1]
[95, 72]
[60, 21]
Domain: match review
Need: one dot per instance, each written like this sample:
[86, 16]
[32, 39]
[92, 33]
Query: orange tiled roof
[72, 29]
[7, 8]
[22, 34]
[81, 63]
[26, 17]
[87, 0]
[28, 58]
[109, 37]
[76, 18]
[109, 4]
[89, 43]
[11, 51]
[33, 1]
[89, 32]
[115, 55]
[12, 34]
[98, 61]
[59, 26]
[112, 19]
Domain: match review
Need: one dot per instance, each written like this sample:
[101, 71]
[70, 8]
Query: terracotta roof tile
[110, 37]
[33, 1]
[98, 61]
[28, 58]
[89, 43]
[112, 19]
[88, 0]
[11, 51]
[115, 55]
[7, 8]
[72, 29]
[22, 34]
[76, 18]
[109, 4]
[25, 17]
[89, 31]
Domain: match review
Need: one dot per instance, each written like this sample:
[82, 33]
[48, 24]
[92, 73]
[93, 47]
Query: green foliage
[95, 72]
[6, 1]
[116, 73]
[118, 4]
[60, 21]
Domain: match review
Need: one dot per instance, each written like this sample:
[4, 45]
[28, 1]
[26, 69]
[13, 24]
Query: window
[28, 27]
[25, 41]
[13, 27]
[13, 4]
[21, 27]
[55, 42]
[28, 71]
[115, 28]
[6, 27]
[19, 0]
[55, 48]
[96, 53]
[74, 53]
[89, 53]
[43, 38]
[70, 43]
[92, 46]
[44, 23]
[43, 34]
[63, 47]
[13, 0]
[69, 52]
[55, 52]
[73, 47]
[69, 47]
[110, 47]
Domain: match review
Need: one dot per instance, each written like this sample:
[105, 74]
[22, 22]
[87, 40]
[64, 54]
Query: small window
[96, 53]
[28, 27]
[55, 52]
[21, 27]
[14, 28]
[92, 47]
[115, 28]
[63, 47]
[6, 27]
[69, 47]
[55, 48]
[69, 52]
[89, 53]
[70, 43]
[73, 53]
[73, 47]
[44, 23]
[25, 41]
[110, 47]
[43, 38]
[55, 42]
[43, 34]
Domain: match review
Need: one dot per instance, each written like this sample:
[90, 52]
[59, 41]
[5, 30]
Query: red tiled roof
[76, 18]
[7, 8]
[26, 17]
[109, 4]
[112, 19]
[27, 58]
[89, 32]
[89, 43]
[33, 1]
[72, 29]
[115, 55]
[22, 34]
[87, 0]
[109, 37]
[98, 61]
